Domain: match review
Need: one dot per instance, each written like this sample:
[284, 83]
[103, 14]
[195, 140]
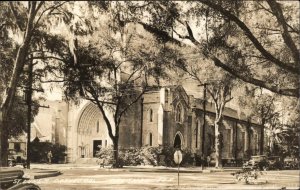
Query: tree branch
[269, 11]
[249, 79]
[217, 62]
[15, 13]
[100, 106]
[54, 81]
[49, 8]
[38, 7]
[46, 57]
[251, 37]
[2, 25]
[275, 7]
[133, 102]
[179, 35]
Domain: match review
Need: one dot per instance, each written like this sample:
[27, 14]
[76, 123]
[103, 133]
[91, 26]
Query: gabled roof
[229, 112]
[182, 95]
[39, 133]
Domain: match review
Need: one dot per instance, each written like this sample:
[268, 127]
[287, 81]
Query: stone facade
[163, 117]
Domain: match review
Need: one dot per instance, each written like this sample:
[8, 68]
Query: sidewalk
[147, 168]
[162, 169]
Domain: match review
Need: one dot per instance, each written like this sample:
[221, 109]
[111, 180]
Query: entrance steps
[86, 161]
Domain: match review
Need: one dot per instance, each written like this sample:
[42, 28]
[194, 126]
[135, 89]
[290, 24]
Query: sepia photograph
[132, 95]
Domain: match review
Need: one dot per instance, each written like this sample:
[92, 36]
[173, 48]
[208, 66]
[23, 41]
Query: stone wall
[130, 127]
[151, 105]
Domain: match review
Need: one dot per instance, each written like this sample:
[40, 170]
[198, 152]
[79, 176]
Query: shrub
[248, 176]
[198, 160]
[39, 152]
[130, 157]
[149, 155]
[105, 155]
[187, 157]
[168, 152]
[146, 155]
[127, 157]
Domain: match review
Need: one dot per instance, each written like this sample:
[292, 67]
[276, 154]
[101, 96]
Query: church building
[163, 117]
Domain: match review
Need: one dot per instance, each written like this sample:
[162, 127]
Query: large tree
[25, 25]
[216, 82]
[27, 29]
[111, 69]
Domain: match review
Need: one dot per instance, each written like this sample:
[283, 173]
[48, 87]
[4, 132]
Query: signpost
[177, 160]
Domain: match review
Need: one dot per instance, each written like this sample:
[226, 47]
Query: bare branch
[269, 11]
[51, 8]
[134, 72]
[278, 30]
[38, 7]
[53, 81]
[179, 35]
[130, 104]
[264, 8]
[47, 57]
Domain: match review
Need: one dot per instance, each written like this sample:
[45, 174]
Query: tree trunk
[262, 134]
[117, 163]
[114, 138]
[9, 95]
[4, 143]
[218, 145]
[249, 151]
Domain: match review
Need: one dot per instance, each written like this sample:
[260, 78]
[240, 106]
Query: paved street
[99, 178]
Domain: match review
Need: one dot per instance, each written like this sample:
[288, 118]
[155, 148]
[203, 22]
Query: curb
[51, 174]
[166, 170]
[41, 174]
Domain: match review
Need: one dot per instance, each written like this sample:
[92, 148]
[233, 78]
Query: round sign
[177, 157]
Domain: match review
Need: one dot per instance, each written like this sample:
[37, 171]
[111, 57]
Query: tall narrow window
[97, 126]
[167, 97]
[243, 142]
[150, 115]
[17, 147]
[228, 143]
[179, 113]
[256, 144]
[196, 145]
[150, 139]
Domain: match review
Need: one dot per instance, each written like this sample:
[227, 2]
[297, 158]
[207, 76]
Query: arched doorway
[91, 132]
[178, 140]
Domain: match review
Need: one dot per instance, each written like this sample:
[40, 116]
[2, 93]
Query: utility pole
[142, 117]
[262, 129]
[204, 123]
[207, 82]
[29, 103]
[28, 100]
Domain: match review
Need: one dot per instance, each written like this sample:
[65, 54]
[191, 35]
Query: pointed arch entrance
[91, 132]
[178, 140]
